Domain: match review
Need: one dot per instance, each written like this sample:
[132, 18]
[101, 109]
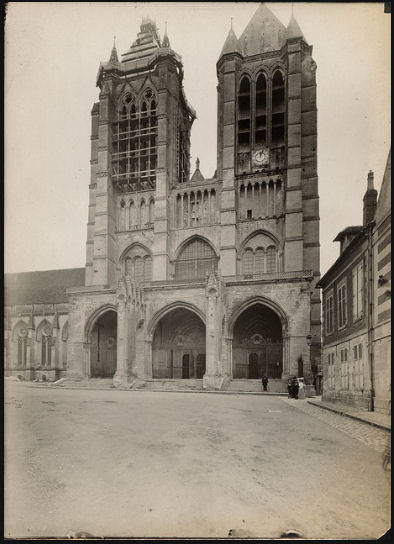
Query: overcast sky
[53, 51]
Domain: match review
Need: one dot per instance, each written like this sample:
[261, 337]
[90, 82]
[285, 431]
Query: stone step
[168, 385]
[251, 385]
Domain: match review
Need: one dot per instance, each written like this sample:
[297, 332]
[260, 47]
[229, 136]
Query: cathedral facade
[188, 277]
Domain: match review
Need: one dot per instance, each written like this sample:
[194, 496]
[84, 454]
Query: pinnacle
[294, 30]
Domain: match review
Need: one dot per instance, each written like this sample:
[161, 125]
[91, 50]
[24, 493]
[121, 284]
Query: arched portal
[178, 348]
[257, 343]
[103, 346]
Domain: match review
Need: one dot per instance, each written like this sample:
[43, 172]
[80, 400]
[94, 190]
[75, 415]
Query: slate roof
[263, 33]
[43, 287]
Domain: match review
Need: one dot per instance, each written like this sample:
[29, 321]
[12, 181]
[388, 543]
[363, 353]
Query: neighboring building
[381, 335]
[36, 325]
[356, 308]
[188, 277]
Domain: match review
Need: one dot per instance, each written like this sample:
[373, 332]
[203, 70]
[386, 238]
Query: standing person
[295, 387]
[289, 388]
[264, 381]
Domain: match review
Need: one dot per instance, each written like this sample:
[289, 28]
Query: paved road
[122, 463]
[371, 436]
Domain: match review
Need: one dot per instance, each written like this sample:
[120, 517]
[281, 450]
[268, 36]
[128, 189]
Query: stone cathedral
[188, 277]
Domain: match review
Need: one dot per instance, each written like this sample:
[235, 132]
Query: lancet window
[137, 263]
[134, 140]
[195, 260]
[261, 114]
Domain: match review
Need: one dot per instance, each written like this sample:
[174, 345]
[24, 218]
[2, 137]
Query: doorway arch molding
[94, 316]
[265, 301]
[169, 308]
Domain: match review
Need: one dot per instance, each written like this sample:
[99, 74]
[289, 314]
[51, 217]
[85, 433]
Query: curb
[351, 416]
[259, 393]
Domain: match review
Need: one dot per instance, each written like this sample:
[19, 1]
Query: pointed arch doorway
[258, 344]
[103, 346]
[178, 348]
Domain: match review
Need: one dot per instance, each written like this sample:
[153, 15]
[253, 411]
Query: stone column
[215, 375]
[122, 374]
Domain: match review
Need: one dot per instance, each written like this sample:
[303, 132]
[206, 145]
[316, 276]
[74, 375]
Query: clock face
[261, 156]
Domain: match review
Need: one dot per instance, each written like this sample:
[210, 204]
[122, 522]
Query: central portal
[258, 344]
[178, 348]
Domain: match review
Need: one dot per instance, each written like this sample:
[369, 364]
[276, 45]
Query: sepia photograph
[197, 283]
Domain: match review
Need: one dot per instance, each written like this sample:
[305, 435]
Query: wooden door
[253, 365]
[186, 366]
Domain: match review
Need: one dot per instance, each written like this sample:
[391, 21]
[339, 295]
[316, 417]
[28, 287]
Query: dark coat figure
[294, 388]
[289, 387]
[264, 381]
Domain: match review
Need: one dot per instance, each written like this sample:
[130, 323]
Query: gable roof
[41, 287]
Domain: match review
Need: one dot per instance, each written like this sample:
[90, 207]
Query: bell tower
[267, 148]
[140, 148]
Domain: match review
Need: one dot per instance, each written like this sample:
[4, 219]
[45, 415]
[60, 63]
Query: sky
[52, 55]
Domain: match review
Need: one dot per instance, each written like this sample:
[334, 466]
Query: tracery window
[271, 256]
[261, 113]
[21, 338]
[44, 337]
[244, 129]
[195, 260]
[134, 138]
[260, 260]
[137, 263]
[183, 150]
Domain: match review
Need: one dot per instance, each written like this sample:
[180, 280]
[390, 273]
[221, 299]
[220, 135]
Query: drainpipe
[370, 292]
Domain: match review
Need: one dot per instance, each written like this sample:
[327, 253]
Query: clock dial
[261, 156]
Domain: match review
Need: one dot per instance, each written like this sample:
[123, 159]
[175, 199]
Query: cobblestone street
[373, 437]
[133, 464]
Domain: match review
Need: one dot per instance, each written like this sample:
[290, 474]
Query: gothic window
[261, 112]
[137, 263]
[44, 337]
[64, 344]
[260, 256]
[138, 269]
[248, 259]
[148, 267]
[132, 215]
[128, 267]
[195, 260]
[244, 128]
[183, 150]
[151, 211]
[134, 137]
[142, 213]
[259, 261]
[277, 118]
[20, 336]
[271, 259]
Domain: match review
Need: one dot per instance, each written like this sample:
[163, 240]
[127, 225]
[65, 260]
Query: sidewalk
[382, 421]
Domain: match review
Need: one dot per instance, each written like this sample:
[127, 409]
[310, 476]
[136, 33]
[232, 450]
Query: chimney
[370, 200]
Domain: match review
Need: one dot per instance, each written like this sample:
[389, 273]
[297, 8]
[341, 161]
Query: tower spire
[113, 59]
[166, 41]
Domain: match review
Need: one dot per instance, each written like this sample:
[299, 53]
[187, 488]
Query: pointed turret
[264, 32]
[231, 43]
[166, 41]
[113, 59]
[197, 176]
[294, 30]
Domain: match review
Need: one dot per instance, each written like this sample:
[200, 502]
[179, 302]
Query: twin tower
[188, 277]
